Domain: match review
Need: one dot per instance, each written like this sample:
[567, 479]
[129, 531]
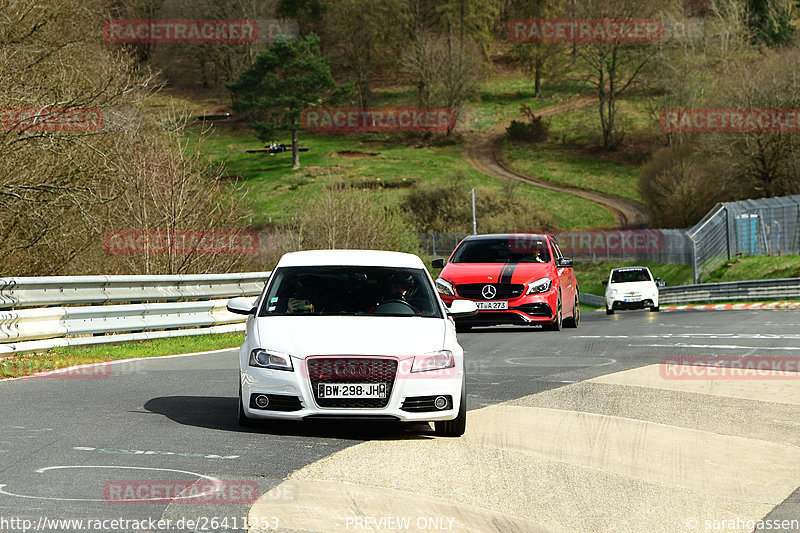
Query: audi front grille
[356, 370]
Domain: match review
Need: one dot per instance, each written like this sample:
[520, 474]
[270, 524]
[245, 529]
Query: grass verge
[761, 267]
[63, 357]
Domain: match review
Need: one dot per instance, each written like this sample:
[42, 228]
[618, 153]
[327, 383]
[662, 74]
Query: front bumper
[531, 309]
[292, 397]
[642, 302]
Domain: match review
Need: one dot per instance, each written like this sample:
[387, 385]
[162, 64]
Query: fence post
[433, 237]
[695, 269]
[727, 231]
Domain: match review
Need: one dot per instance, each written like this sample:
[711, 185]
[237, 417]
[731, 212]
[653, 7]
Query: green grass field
[761, 267]
[25, 365]
[561, 164]
[570, 155]
[390, 164]
[389, 168]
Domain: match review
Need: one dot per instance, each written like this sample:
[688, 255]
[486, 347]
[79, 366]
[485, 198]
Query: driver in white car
[398, 287]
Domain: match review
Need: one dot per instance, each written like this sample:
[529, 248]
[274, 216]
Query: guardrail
[766, 289]
[179, 305]
[591, 299]
[113, 307]
[69, 290]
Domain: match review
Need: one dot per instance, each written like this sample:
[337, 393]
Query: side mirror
[438, 263]
[605, 282]
[241, 305]
[564, 262]
[462, 308]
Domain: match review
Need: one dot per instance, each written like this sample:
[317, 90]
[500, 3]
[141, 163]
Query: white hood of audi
[353, 336]
[348, 333]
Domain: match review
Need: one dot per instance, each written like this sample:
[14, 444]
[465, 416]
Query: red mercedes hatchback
[515, 278]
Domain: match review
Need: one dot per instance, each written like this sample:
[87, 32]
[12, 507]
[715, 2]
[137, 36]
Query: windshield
[351, 291]
[630, 275]
[501, 251]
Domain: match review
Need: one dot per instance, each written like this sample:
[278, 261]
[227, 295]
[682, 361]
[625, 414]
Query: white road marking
[717, 347]
[50, 498]
[695, 336]
[560, 361]
[116, 451]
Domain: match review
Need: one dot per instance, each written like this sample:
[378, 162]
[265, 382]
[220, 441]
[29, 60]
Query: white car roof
[350, 258]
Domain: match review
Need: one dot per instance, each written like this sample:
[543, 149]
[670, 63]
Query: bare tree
[345, 217]
[538, 58]
[769, 161]
[54, 179]
[615, 64]
[168, 189]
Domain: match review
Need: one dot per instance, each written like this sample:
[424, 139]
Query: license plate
[492, 305]
[351, 390]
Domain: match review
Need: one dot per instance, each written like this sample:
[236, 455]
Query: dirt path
[483, 153]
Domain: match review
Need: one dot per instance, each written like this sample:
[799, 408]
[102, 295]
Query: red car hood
[460, 273]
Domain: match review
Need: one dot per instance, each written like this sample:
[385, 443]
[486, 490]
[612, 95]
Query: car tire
[575, 320]
[609, 310]
[558, 323]
[243, 420]
[655, 309]
[457, 426]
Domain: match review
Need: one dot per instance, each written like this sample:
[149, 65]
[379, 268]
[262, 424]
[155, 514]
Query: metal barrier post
[695, 270]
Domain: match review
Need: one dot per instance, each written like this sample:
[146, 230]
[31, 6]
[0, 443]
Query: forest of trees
[60, 190]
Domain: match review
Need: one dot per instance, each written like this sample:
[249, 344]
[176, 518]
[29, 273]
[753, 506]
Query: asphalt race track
[568, 431]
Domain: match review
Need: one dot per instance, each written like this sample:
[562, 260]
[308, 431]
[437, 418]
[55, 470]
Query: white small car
[631, 288]
[352, 334]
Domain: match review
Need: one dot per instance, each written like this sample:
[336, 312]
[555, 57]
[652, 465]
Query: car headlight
[540, 285]
[613, 292]
[435, 361]
[275, 360]
[445, 287]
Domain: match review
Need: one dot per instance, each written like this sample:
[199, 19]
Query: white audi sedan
[352, 334]
[631, 288]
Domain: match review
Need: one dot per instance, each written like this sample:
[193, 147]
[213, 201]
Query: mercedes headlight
[540, 285]
[275, 360]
